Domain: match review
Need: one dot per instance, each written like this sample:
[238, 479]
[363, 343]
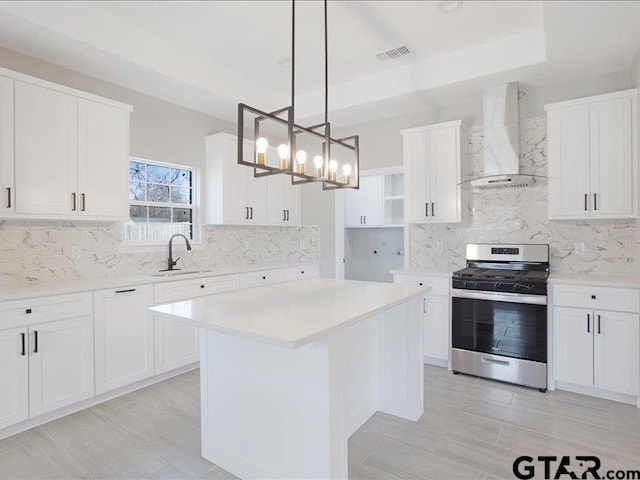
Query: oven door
[507, 324]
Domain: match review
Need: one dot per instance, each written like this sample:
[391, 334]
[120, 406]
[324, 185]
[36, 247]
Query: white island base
[275, 409]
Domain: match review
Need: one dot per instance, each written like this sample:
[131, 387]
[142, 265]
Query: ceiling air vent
[393, 53]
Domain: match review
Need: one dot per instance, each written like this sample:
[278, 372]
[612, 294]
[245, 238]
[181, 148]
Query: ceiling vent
[393, 53]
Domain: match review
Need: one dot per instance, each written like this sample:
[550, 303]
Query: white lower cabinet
[14, 376]
[124, 336]
[436, 308]
[597, 348]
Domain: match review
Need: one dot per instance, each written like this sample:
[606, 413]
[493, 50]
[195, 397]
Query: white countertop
[422, 271]
[26, 289]
[291, 314]
[595, 279]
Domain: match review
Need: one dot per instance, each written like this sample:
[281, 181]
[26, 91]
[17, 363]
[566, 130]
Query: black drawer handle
[593, 297]
[420, 284]
[24, 344]
[264, 278]
[35, 341]
[302, 272]
[201, 286]
[128, 290]
[27, 311]
[8, 197]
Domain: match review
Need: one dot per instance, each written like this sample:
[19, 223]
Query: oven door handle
[499, 296]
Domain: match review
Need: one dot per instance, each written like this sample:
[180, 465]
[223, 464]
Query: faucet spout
[171, 262]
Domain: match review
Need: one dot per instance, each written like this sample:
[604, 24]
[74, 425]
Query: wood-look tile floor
[471, 429]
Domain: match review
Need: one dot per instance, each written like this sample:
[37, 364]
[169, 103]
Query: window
[161, 201]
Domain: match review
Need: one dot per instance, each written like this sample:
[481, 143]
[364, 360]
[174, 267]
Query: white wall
[381, 143]
[371, 252]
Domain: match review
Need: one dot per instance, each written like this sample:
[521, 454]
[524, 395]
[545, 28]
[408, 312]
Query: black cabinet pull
[8, 197]
[28, 311]
[287, 215]
[426, 209]
[24, 344]
[593, 297]
[35, 341]
[284, 215]
[251, 212]
[595, 202]
[246, 215]
[84, 202]
[73, 202]
[264, 278]
[433, 213]
[585, 202]
[588, 323]
[201, 286]
[420, 284]
[365, 219]
[599, 325]
[302, 272]
[128, 290]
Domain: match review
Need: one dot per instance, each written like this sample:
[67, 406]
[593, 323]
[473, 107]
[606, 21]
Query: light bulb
[283, 153]
[333, 168]
[261, 149]
[301, 157]
[346, 171]
[317, 162]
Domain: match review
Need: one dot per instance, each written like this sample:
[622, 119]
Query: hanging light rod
[292, 161]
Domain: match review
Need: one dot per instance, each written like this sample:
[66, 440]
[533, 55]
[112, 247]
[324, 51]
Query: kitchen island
[290, 372]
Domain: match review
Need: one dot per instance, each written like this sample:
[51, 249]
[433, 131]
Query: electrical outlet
[579, 248]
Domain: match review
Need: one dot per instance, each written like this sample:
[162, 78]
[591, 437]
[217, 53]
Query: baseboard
[599, 393]
[436, 362]
[90, 402]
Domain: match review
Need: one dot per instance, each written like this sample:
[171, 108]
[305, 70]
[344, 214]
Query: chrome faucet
[171, 262]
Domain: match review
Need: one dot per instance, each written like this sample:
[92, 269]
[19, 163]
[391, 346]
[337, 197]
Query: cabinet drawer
[600, 298]
[439, 285]
[300, 273]
[44, 309]
[261, 279]
[198, 287]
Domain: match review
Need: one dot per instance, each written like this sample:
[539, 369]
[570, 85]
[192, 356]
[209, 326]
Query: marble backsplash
[519, 215]
[47, 250]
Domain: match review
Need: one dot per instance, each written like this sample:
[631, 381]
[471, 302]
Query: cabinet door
[176, 344]
[257, 197]
[573, 345]
[436, 327]
[283, 200]
[103, 160]
[616, 360]
[60, 364]
[46, 151]
[569, 179]
[7, 194]
[417, 174]
[612, 158]
[292, 203]
[124, 336]
[444, 159]
[353, 206]
[14, 376]
[372, 191]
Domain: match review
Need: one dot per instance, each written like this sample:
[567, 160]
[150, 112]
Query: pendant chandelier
[336, 161]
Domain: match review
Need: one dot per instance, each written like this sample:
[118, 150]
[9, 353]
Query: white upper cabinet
[46, 151]
[592, 157]
[103, 160]
[64, 154]
[235, 196]
[7, 186]
[434, 158]
[364, 206]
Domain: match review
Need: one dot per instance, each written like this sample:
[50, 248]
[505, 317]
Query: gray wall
[381, 143]
[371, 252]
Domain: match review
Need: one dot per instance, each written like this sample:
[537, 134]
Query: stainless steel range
[499, 314]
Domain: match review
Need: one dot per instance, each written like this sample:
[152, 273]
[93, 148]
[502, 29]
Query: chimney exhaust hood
[502, 141]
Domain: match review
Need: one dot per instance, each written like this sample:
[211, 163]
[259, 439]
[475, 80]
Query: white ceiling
[209, 56]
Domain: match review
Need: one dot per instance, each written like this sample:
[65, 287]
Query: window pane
[138, 213]
[157, 193]
[181, 195]
[137, 171]
[159, 214]
[136, 191]
[180, 177]
[182, 215]
[156, 174]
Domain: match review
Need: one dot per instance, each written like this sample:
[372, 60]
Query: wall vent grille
[393, 53]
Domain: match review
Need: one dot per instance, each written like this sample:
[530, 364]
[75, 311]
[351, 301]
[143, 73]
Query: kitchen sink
[175, 273]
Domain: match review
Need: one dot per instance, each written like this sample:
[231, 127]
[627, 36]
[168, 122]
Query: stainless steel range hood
[502, 140]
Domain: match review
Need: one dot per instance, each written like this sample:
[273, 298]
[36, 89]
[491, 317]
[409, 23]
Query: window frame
[196, 223]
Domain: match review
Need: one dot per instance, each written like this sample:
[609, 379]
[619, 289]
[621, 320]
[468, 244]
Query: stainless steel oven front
[499, 335]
